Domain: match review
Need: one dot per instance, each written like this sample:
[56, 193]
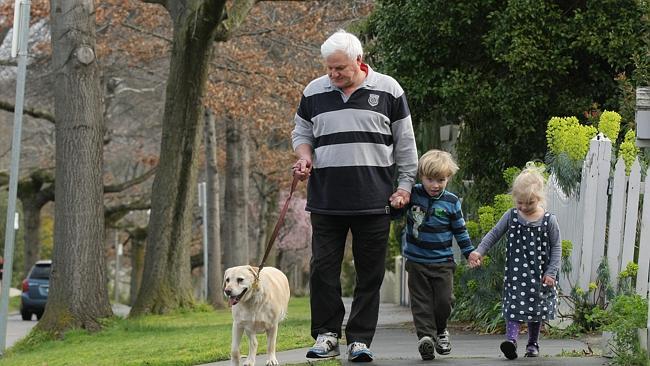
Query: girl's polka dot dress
[526, 298]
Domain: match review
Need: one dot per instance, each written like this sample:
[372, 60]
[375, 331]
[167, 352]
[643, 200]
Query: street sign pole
[19, 47]
[203, 203]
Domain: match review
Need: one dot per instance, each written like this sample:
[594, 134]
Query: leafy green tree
[502, 68]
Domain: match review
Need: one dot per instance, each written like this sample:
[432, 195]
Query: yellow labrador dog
[257, 307]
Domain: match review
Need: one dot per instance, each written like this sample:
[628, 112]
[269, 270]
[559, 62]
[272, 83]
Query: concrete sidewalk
[395, 343]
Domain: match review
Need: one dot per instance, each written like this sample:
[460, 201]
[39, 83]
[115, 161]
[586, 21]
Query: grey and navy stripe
[359, 144]
[443, 220]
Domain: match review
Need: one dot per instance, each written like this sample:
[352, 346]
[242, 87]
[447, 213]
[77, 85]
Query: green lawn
[14, 304]
[184, 338]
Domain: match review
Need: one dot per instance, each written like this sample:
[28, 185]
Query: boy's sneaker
[443, 345]
[532, 350]
[327, 345]
[509, 349]
[359, 352]
[425, 346]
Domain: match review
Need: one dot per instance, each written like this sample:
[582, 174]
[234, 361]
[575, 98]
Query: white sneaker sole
[333, 353]
[426, 350]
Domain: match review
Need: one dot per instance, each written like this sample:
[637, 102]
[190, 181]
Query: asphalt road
[395, 343]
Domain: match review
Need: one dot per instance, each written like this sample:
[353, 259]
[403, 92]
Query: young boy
[433, 216]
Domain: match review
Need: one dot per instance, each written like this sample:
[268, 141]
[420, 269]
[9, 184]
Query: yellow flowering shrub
[502, 203]
[628, 150]
[567, 135]
[610, 124]
[567, 247]
[486, 219]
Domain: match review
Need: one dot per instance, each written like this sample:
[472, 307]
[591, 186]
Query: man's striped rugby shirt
[361, 144]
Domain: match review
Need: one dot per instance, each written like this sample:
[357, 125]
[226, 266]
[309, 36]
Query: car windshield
[41, 271]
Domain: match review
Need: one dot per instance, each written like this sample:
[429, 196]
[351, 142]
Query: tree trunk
[34, 192]
[236, 248]
[78, 291]
[215, 269]
[166, 281]
[138, 237]
[262, 223]
[32, 224]
[268, 216]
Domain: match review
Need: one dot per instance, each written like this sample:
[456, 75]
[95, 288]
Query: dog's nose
[227, 291]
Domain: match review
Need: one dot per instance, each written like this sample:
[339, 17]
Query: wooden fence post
[568, 210]
[644, 243]
[616, 221]
[595, 208]
[632, 214]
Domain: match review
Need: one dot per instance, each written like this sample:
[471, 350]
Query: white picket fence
[606, 220]
[602, 221]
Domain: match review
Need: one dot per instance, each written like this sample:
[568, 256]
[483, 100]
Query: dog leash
[278, 225]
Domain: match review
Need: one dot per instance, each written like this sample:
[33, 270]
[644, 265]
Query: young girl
[533, 252]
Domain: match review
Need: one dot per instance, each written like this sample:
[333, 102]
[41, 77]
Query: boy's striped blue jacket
[431, 224]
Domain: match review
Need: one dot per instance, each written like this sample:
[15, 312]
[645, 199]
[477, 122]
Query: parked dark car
[35, 290]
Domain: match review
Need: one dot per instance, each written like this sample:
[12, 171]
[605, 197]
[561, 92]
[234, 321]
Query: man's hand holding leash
[302, 168]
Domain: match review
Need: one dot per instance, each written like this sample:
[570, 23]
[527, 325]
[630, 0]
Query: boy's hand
[400, 198]
[548, 280]
[474, 259]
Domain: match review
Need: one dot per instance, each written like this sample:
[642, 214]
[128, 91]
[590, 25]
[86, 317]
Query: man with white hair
[354, 140]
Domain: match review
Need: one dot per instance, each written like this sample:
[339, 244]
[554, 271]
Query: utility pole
[203, 203]
[118, 254]
[18, 47]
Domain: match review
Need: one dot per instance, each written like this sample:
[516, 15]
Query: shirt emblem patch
[440, 212]
[373, 100]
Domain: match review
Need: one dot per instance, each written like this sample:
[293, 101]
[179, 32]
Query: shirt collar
[369, 82]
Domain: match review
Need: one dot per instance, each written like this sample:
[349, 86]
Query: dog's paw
[249, 362]
[272, 362]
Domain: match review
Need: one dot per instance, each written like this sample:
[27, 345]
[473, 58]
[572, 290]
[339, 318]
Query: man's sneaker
[532, 350]
[327, 345]
[359, 352]
[443, 345]
[509, 349]
[425, 346]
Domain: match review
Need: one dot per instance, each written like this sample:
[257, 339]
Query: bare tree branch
[161, 2]
[144, 31]
[253, 33]
[114, 188]
[8, 63]
[113, 214]
[32, 112]
[236, 15]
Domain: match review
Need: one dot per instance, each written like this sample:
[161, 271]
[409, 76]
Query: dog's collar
[256, 281]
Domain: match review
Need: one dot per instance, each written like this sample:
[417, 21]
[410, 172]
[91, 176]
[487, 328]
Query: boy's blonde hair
[530, 183]
[437, 163]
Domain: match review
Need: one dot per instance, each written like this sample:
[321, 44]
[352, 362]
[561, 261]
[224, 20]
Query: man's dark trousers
[369, 242]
